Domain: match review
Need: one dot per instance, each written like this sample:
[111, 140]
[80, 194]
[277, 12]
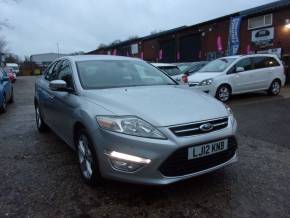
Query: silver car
[131, 122]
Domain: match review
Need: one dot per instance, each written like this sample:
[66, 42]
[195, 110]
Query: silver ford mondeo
[129, 121]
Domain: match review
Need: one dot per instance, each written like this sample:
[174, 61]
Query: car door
[1, 88]
[64, 103]
[47, 95]
[262, 73]
[6, 86]
[241, 75]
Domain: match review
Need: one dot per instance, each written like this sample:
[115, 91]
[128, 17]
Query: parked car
[6, 91]
[240, 74]
[11, 75]
[131, 122]
[171, 69]
[188, 69]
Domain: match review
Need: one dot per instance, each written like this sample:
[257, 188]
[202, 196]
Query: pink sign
[115, 52]
[142, 55]
[248, 49]
[199, 54]
[178, 55]
[160, 54]
[219, 43]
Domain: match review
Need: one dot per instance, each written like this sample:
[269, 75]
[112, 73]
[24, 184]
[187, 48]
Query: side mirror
[4, 79]
[240, 69]
[58, 85]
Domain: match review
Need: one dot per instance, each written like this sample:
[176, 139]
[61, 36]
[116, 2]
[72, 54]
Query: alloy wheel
[85, 157]
[4, 104]
[224, 93]
[38, 118]
[275, 87]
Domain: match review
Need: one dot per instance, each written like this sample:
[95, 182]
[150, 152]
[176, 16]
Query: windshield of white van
[218, 65]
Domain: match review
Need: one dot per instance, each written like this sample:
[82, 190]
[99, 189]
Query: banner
[234, 35]
[219, 44]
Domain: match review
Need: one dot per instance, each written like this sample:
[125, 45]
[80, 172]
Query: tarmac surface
[39, 175]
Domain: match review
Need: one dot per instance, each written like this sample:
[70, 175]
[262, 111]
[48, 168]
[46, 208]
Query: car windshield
[171, 71]
[184, 67]
[102, 74]
[193, 68]
[12, 68]
[218, 65]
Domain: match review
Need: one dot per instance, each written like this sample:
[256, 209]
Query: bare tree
[102, 45]
[133, 37]
[3, 44]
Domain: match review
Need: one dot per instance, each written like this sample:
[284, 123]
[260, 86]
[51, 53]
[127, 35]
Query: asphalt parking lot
[40, 177]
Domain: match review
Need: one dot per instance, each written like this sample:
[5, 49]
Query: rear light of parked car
[185, 78]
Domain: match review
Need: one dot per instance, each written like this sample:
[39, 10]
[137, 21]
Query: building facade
[264, 29]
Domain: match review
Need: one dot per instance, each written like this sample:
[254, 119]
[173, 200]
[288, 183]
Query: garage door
[189, 48]
[168, 51]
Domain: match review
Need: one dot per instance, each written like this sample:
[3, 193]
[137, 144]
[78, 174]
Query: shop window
[261, 21]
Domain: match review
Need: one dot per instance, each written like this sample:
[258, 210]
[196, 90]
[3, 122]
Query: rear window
[171, 71]
[264, 62]
[218, 65]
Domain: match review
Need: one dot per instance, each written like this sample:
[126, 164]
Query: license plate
[207, 149]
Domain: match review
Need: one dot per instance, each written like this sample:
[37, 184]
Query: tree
[11, 58]
[115, 42]
[5, 24]
[155, 31]
[3, 44]
[102, 45]
[133, 37]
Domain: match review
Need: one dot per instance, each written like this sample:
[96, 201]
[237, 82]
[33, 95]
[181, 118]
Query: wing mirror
[58, 85]
[240, 69]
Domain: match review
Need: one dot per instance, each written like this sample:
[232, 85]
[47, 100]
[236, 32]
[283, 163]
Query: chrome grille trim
[191, 129]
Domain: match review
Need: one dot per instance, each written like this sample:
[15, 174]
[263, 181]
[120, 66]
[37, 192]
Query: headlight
[228, 109]
[206, 82]
[130, 126]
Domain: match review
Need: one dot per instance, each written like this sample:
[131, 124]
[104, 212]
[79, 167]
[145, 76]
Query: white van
[231, 75]
[13, 66]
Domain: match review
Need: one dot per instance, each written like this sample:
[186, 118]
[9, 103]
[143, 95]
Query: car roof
[250, 55]
[97, 57]
[163, 65]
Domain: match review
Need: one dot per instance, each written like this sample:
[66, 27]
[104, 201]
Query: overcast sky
[81, 25]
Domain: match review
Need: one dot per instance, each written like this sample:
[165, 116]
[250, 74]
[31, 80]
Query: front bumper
[209, 89]
[157, 151]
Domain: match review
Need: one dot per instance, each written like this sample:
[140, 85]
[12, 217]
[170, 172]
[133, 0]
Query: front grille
[178, 164]
[194, 128]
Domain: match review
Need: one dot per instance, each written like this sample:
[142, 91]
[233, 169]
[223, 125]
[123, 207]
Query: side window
[259, 62]
[65, 73]
[244, 63]
[55, 71]
[49, 71]
[271, 62]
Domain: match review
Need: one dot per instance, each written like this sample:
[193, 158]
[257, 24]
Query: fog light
[126, 162]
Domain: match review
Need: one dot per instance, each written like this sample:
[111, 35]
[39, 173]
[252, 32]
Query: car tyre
[12, 97]
[223, 93]
[274, 88]
[87, 158]
[3, 107]
[41, 125]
